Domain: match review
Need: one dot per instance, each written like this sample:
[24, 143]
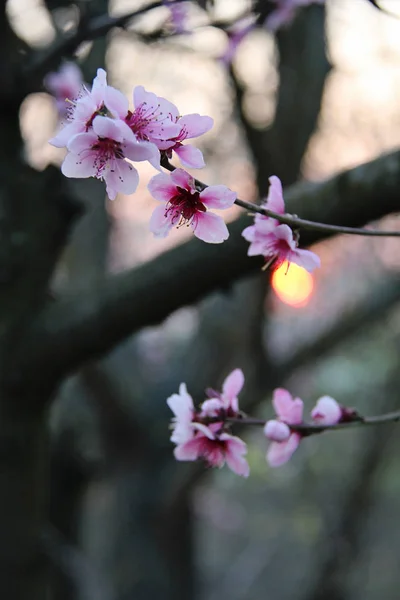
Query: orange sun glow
[293, 285]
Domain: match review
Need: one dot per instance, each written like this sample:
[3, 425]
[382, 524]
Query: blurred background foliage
[130, 522]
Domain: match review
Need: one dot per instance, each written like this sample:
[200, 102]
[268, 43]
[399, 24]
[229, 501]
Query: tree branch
[44, 61]
[87, 325]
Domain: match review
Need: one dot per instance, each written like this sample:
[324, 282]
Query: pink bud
[276, 431]
[327, 411]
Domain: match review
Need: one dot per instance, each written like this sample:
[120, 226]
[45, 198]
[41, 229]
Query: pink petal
[282, 402]
[99, 86]
[105, 127]
[183, 179]
[249, 233]
[181, 404]
[195, 125]
[139, 151]
[232, 387]
[190, 156]
[81, 142]
[62, 138]
[211, 407]
[204, 430]
[160, 224]
[210, 228]
[275, 199]
[295, 414]
[75, 166]
[218, 196]
[190, 450]
[161, 187]
[116, 102]
[305, 258]
[276, 431]
[234, 451]
[283, 232]
[156, 102]
[327, 411]
[120, 177]
[280, 452]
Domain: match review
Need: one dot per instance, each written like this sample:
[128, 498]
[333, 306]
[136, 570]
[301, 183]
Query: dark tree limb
[88, 325]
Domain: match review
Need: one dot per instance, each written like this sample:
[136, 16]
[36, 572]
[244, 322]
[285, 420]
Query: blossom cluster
[103, 136]
[205, 433]
[275, 241]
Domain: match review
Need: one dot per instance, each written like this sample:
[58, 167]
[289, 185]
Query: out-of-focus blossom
[102, 100]
[205, 433]
[284, 442]
[101, 153]
[178, 15]
[185, 205]
[216, 449]
[236, 33]
[285, 12]
[327, 411]
[275, 241]
[183, 408]
[65, 85]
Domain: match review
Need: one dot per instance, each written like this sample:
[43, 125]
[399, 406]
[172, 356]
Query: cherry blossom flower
[102, 100]
[205, 433]
[190, 126]
[101, 153]
[285, 12]
[327, 411]
[236, 33]
[153, 119]
[216, 449]
[185, 205]
[64, 84]
[275, 241]
[289, 411]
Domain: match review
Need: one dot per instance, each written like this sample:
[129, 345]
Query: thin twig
[312, 429]
[296, 222]
[66, 46]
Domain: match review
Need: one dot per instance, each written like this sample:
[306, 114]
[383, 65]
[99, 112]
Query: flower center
[182, 208]
[146, 119]
[106, 150]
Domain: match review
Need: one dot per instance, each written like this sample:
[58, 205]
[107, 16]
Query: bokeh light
[292, 284]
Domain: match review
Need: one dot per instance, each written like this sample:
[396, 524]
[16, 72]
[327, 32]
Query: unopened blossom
[204, 433]
[327, 411]
[102, 100]
[183, 204]
[289, 411]
[275, 241]
[236, 33]
[225, 403]
[190, 126]
[65, 85]
[285, 12]
[101, 153]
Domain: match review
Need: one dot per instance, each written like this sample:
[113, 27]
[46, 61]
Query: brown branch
[307, 429]
[294, 221]
[87, 325]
